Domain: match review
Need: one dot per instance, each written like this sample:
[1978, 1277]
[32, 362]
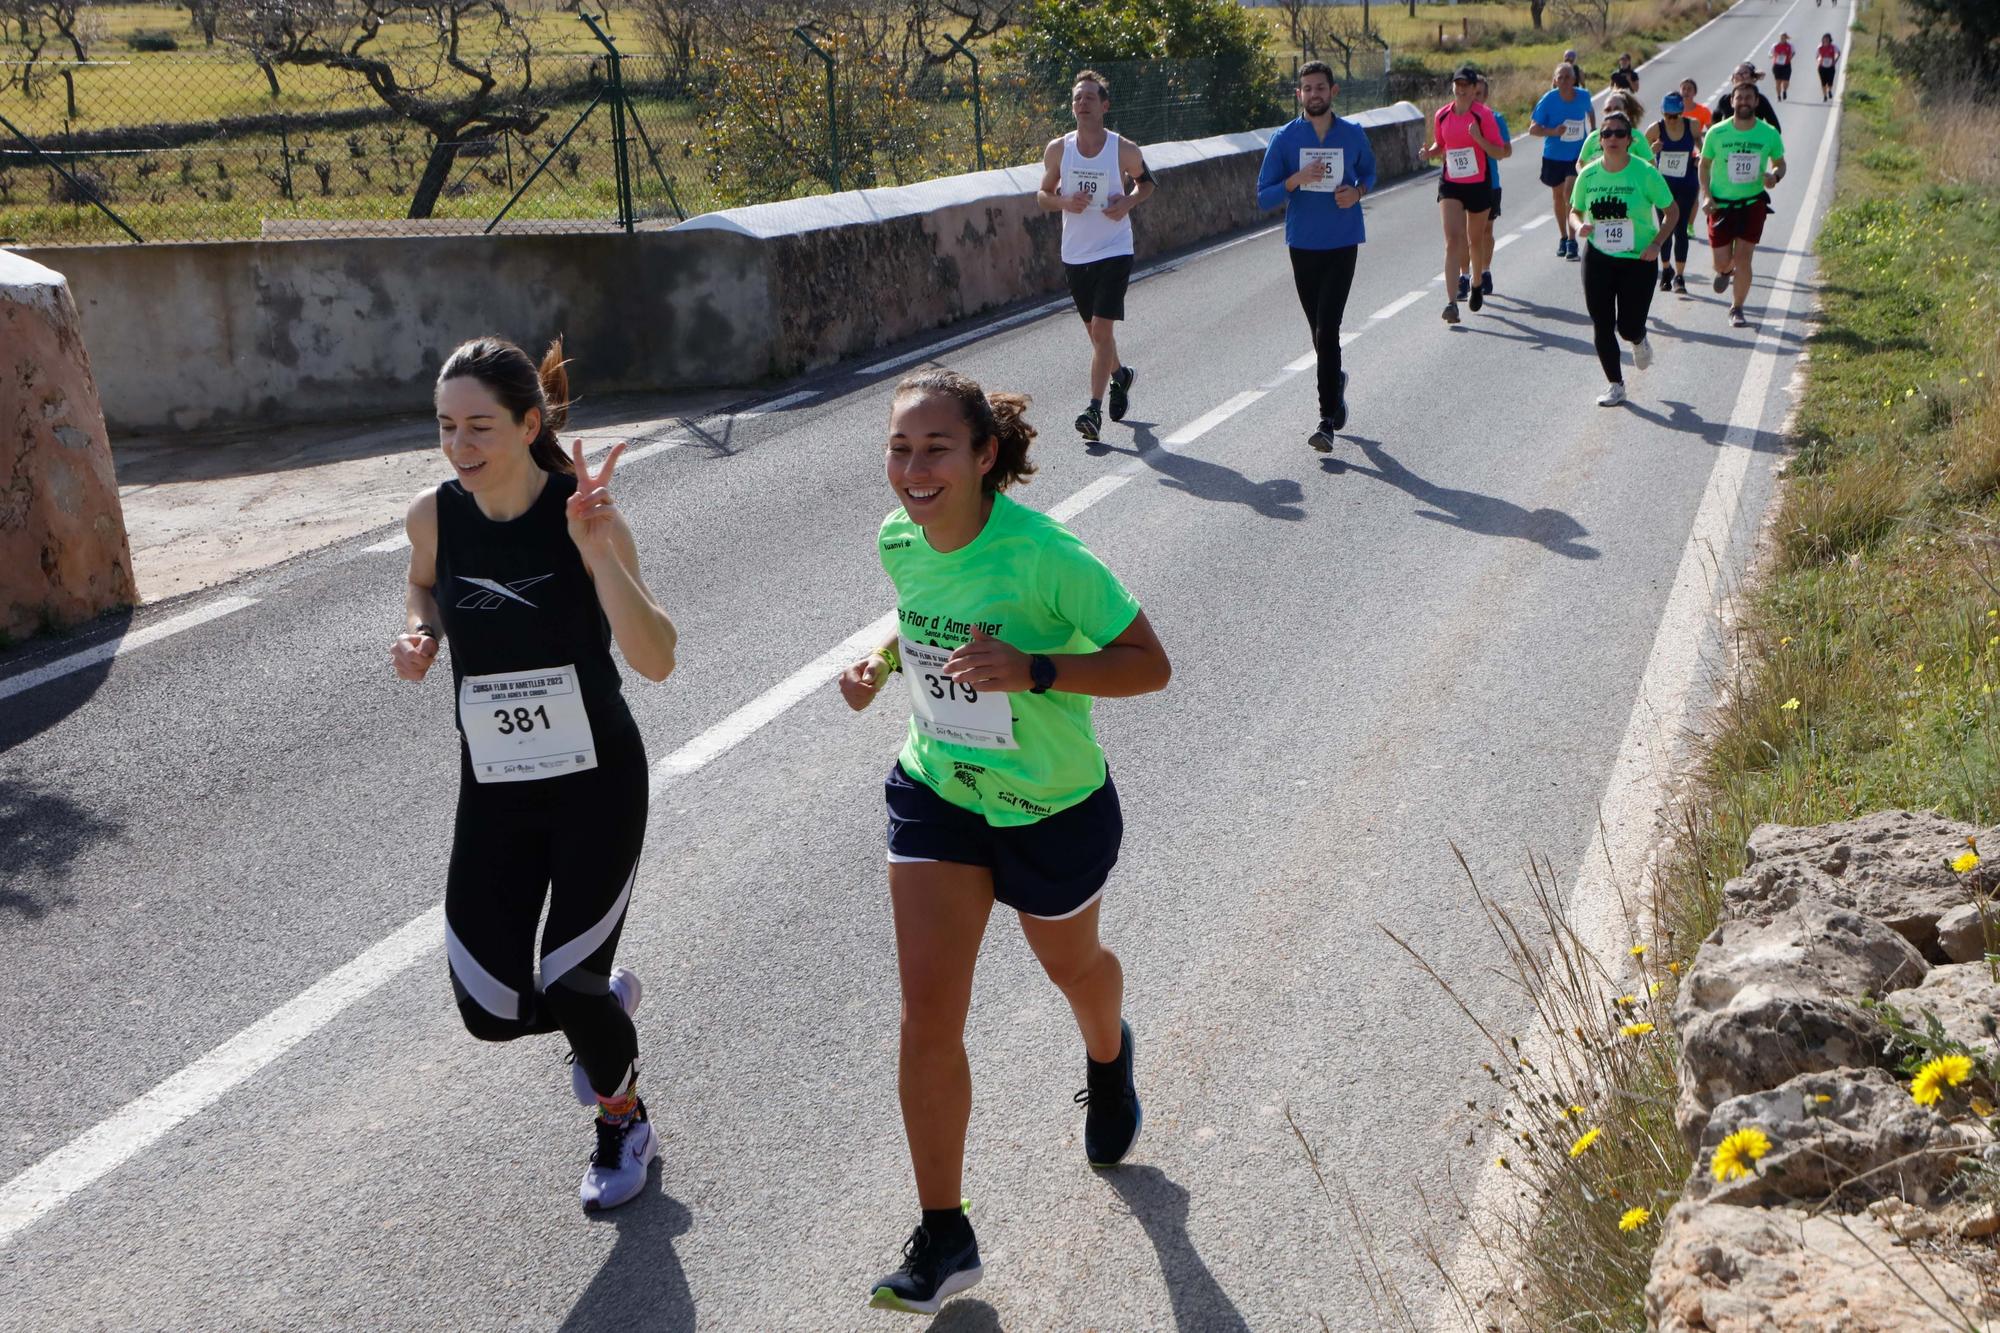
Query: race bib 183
[946, 710]
[521, 726]
[1461, 164]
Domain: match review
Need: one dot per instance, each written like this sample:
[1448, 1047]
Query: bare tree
[459, 97]
[1294, 15]
[205, 15]
[1589, 15]
[36, 25]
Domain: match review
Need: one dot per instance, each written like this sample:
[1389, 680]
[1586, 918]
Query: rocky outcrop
[1769, 998]
[63, 553]
[1894, 866]
[1724, 1269]
[1844, 949]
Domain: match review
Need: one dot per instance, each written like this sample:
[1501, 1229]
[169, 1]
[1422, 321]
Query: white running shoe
[1612, 396]
[625, 985]
[1642, 354]
[617, 1170]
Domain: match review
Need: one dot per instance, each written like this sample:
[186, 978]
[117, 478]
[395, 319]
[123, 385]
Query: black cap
[1465, 74]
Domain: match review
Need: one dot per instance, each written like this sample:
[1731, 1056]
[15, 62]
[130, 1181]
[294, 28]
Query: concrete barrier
[63, 553]
[192, 337]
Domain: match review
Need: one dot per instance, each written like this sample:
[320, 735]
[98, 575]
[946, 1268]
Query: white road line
[1212, 418]
[1070, 506]
[115, 648]
[1400, 304]
[1528, 226]
[1504, 242]
[1643, 769]
[778, 404]
[395, 543]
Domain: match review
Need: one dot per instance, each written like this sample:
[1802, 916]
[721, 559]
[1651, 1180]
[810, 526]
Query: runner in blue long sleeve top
[1321, 165]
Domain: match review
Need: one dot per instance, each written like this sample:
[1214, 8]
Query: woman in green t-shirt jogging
[1614, 198]
[1008, 627]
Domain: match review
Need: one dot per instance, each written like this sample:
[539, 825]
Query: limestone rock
[1866, 1141]
[1723, 1269]
[1965, 999]
[1894, 866]
[1773, 998]
[63, 553]
[1962, 936]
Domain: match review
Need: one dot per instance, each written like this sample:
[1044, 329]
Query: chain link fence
[194, 146]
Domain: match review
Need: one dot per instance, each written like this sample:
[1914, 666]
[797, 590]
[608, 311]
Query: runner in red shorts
[1741, 160]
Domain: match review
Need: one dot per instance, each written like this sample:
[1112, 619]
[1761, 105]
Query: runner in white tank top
[1095, 178]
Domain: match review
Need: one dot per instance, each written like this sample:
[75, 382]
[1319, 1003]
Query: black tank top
[515, 596]
[1684, 144]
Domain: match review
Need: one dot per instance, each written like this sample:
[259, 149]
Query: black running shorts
[1098, 288]
[1052, 868]
[1477, 196]
[1556, 171]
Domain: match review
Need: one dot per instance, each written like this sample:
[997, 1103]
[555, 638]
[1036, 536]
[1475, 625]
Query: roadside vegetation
[1864, 677]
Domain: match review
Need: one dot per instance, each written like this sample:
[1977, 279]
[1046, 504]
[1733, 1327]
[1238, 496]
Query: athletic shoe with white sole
[626, 988]
[1090, 424]
[935, 1268]
[1113, 1115]
[1737, 318]
[1612, 396]
[1642, 354]
[1323, 435]
[1451, 312]
[617, 1170]
[1721, 283]
[1464, 286]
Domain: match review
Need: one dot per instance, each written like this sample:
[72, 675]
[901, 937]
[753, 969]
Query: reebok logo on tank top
[487, 595]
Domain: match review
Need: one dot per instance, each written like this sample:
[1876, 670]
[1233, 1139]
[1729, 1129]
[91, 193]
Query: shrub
[152, 39]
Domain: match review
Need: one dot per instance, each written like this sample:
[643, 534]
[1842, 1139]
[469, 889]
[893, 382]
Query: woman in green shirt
[1008, 628]
[1614, 198]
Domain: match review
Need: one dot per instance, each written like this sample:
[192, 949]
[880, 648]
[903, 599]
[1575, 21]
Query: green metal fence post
[978, 114]
[832, 115]
[620, 157]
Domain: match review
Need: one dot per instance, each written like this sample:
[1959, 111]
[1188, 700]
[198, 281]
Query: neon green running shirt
[1029, 582]
[1737, 159]
[1620, 205]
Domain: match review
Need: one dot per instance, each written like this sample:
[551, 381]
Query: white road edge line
[1403, 302]
[1641, 772]
[778, 404]
[115, 648]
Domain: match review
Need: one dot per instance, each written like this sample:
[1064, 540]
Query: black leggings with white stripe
[579, 851]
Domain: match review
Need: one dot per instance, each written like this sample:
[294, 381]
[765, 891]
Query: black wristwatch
[1042, 671]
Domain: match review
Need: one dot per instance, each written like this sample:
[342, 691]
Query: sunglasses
[1614, 134]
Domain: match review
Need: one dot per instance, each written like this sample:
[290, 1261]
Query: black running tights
[1674, 245]
[1618, 293]
[1323, 278]
[580, 856]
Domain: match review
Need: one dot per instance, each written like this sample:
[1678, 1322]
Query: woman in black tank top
[1676, 143]
[524, 565]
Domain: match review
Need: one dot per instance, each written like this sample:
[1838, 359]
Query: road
[239, 1096]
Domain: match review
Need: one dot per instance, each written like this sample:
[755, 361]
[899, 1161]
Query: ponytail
[1001, 417]
[521, 386]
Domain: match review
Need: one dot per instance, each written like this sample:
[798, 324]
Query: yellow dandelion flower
[1733, 1153]
[1965, 861]
[1625, 1000]
[1635, 1029]
[1785, 642]
[1582, 1145]
[1573, 1111]
[1638, 951]
[1653, 989]
[1674, 968]
[1919, 668]
[1789, 706]
[1927, 1088]
[1635, 1218]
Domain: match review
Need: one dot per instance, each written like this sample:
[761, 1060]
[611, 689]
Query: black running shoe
[1666, 279]
[1486, 282]
[1464, 286]
[1111, 1126]
[934, 1270]
[1340, 408]
[1478, 298]
[1722, 281]
[1451, 312]
[1680, 284]
[1322, 436]
[1090, 423]
[1121, 391]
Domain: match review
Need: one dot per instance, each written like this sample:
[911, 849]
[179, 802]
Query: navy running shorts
[1052, 868]
[1556, 171]
[1098, 288]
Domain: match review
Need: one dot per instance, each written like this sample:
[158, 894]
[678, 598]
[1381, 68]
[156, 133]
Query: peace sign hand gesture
[593, 520]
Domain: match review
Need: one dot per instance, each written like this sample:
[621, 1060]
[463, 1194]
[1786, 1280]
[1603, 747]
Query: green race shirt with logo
[1724, 141]
[1029, 582]
[1602, 194]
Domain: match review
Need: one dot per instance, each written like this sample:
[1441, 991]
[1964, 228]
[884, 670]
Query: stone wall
[63, 555]
[195, 337]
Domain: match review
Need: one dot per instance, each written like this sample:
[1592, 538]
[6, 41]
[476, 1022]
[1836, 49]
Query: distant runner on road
[1615, 197]
[1697, 111]
[1829, 60]
[1009, 628]
[1321, 166]
[1095, 178]
[1466, 136]
[1628, 106]
[1562, 119]
[1725, 105]
[1781, 63]
[525, 566]
[1742, 159]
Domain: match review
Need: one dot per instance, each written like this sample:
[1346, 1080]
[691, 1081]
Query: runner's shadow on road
[641, 1284]
[1682, 418]
[44, 831]
[1280, 498]
[967, 1316]
[1538, 338]
[1485, 515]
[1161, 1207]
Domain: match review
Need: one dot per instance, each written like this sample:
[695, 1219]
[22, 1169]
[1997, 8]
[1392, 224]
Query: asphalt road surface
[237, 1094]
